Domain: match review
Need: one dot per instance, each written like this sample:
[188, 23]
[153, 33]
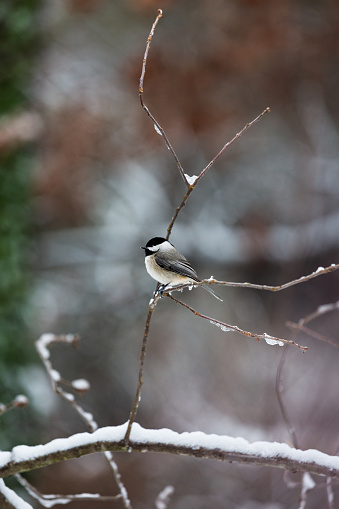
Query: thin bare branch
[177, 211]
[229, 143]
[271, 340]
[135, 406]
[157, 126]
[329, 493]
[321, 310]
[303, 279]
[320, 337]
[279, 392]
[195, 180]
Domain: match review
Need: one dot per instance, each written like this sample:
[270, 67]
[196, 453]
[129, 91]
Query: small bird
[166, 265]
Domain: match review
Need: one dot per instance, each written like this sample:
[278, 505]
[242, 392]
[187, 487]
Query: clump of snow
[43, 343]
[157, 129]
[81, 385]
[221, 326]
[13, 498]
[191, 179]
[55, 375]
[319, 269]
[163, 497]
[21, 400]
[272, 341]
[325, 308]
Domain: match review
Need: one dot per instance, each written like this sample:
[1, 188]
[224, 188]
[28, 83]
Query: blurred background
[85, 180]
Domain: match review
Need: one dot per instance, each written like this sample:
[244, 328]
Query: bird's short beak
[142, 247]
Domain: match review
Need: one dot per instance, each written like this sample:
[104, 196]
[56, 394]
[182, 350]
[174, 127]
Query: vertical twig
[157, 126]
[177, 210]
[137, 398]
[190, 186]
[279, 393]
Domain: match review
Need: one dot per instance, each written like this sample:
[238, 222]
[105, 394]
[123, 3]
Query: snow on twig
[79, 385]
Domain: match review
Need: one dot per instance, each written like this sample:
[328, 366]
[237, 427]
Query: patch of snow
[191, 179]
[271, 341]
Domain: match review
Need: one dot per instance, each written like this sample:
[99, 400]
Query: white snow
[21, 400]
[43, 342]
[272, 341]
[163, 497]
[191, 179]
[13, 498]
[194, 440]
[5, 457]
[308, 482]
[55, 375]
[325, 308]
[157, 129]
[221, 326]
[319, 269]
[69, 396]
[81, 384]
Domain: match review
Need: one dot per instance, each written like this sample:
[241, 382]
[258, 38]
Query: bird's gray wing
[182, 266]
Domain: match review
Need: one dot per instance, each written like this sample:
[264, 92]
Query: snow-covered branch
[197, 444]
[10, 500]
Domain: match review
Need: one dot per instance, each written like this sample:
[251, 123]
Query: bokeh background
[86, 180]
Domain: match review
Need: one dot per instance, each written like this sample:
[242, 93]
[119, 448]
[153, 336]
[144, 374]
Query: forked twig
[53, 499]
[42, 345]
[157, 126]
[190, 182]
[193, 180]
[321, 310]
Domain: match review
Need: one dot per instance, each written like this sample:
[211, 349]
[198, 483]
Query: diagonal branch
[270, 340]
[229, 143]
[193, 181]
[10, 500]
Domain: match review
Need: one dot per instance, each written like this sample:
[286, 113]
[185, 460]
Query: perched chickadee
[166, 265]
